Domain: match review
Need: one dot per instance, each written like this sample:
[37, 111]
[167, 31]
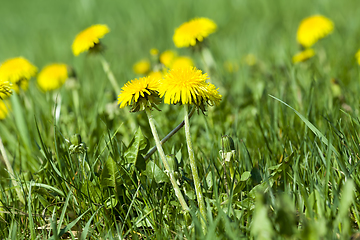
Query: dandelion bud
[227, 143]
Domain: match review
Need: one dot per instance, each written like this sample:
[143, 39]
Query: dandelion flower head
[142, 67]
[312, 29]
[139, 93]
[154, 52]
[231, 66]
[52, 76]
[17, 71]
[5, 89]
[250, 59]
[88, 38]
[195, 30]
[4, 109]
[167, 57]
[357, 55]
[188, 86]
[303, 55]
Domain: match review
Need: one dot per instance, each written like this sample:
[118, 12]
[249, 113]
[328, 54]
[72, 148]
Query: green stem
[109, 74]
[11, 172]
[166, 164]
[167, 137]
[194, 171]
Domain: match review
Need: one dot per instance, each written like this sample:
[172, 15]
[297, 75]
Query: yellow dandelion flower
[52, 76]
[88, 38]
[312, 29]
[182, 61]
[5, 89]
[303, 55]
[188, 86]
[195, 30]
[142, 67]
[4, 109]
[154, 52]
[167, 58]
[231, 66]
[17, 71]
[250, 59]
[357, 55]
[139, 93]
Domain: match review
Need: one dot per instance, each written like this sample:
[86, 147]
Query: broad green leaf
[286, 216]
[110, 175]
[346, 200]
[111, 202]
[138, 146]
[154, 172]
[261, 227]
[245, 176]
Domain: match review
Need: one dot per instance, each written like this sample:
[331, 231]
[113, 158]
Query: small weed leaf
[110, 175]
[139, 145]
[155, 173]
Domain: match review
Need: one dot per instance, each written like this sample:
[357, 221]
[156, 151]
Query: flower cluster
[185, 85]
[311, 30]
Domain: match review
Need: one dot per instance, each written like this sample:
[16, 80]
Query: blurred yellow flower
[136, 90]
[303, 55]
[52, 76]
[17, 71]
[195, 30]
[188, 86]
[154, 51]
[88, 38]
[4, 109]
[231, 66]
[156, 75]
[357, 55]
[167, 57]
[250, 59]
[312, 29]
[182, 61]
[141, 67]
[5, 89]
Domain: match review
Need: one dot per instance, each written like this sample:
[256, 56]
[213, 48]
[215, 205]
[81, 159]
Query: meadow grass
[79, 169]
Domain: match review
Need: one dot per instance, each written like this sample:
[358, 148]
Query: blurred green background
[266, 133]
[43, 31]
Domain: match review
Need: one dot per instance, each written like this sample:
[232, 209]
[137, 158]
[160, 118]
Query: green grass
[294, 173]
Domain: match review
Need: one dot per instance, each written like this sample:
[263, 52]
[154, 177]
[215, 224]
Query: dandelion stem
[194, 171]
[167, 137]
[166, 164]
[109, 74]
[11, 172]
